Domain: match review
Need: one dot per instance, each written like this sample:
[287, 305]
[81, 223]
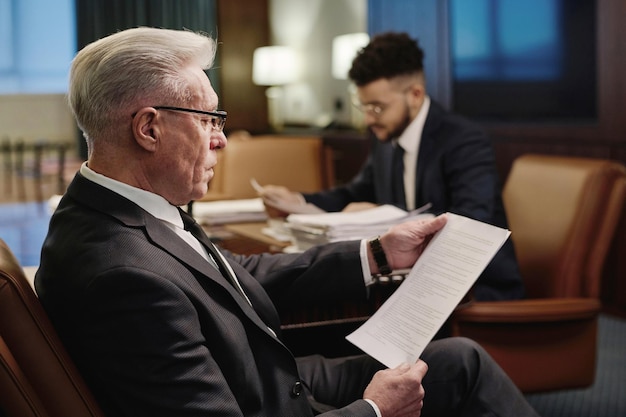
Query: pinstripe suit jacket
[157, 331]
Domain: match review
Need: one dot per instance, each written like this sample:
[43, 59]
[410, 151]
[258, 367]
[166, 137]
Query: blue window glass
[506, 39]
[523, 60]
[37, 44]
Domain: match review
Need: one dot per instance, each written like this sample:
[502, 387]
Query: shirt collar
[410, 137]
[150, 202]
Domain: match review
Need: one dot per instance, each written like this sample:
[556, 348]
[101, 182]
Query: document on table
[314, 229]
[229, 211]
[402, 327]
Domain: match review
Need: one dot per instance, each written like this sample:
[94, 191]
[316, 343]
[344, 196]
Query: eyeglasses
[218, 118]
[373, 109]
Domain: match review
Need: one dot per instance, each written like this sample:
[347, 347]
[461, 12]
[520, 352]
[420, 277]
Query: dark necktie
[397, 177]
[196, 230]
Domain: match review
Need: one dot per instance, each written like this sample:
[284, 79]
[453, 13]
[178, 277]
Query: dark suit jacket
[157, 331]
[456, 173]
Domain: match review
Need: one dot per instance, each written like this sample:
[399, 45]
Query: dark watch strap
[379, 256]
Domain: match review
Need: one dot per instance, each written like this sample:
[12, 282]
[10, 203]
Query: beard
[389, 132]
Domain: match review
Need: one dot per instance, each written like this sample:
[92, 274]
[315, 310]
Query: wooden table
[245, 238]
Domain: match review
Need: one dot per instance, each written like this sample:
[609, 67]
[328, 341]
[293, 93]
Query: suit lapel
[196, 230]
[181, 250]
[103, 200]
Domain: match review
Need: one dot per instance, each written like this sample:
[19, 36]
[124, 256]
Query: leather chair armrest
[527, 311]
[535, 341]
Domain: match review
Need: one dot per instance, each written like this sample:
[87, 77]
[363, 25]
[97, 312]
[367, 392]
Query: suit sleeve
[324, 273]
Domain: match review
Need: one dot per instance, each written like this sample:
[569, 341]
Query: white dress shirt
[410, 141]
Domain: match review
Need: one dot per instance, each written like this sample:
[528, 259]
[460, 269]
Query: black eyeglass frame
[216, 115]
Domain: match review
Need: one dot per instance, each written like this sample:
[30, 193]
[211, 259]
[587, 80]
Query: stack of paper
[314, 229]
[229, 211]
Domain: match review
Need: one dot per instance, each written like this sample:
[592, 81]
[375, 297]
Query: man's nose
[218, 140]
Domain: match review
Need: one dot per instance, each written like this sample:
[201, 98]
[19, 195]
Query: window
[523, 60]
[37, 44]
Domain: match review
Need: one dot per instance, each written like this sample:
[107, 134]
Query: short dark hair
[386, 56]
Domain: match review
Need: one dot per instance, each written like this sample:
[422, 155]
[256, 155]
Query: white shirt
[410, 141]
[150, 202]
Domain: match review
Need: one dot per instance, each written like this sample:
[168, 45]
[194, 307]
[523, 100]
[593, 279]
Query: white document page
[380, 214]
[402, 327]
[229, 211]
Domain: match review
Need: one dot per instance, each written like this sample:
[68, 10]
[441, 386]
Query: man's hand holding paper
[404, 242]
[444, 272]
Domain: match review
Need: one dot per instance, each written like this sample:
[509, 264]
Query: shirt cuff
[375, 407]
[365, 265]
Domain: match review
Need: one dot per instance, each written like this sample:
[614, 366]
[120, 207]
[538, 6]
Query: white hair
[116, 75]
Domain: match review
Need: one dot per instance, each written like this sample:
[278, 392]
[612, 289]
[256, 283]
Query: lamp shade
[345, 48]
[274, 65]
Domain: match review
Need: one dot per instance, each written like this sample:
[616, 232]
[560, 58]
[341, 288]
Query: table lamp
[274, 66]
[345, 48]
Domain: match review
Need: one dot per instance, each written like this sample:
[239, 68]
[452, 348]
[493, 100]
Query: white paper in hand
[402, 327]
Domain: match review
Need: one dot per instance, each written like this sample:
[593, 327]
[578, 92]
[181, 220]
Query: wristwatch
[379, 256]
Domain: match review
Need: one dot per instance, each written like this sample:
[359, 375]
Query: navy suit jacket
[456, 173]
[157, 331]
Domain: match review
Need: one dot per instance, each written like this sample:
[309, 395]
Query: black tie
[397, 177]
[196, 230]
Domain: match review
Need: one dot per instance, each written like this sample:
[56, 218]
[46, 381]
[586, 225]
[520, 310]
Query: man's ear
[146, 129]
[417, 91]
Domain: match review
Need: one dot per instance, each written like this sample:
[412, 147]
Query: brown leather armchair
[301, 164]
[37, 377]
[563, 212]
